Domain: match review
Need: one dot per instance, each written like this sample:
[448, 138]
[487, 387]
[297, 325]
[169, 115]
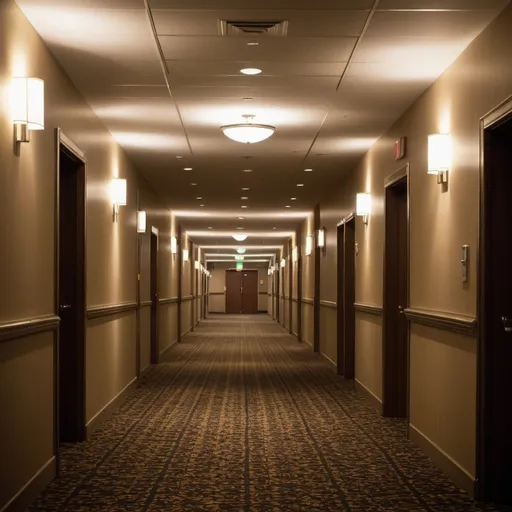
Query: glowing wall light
[283, 263]
[185, 254]
[118, 194]
[440, 155]
[269, 272]
[364, 206]
[197, 265]
[320, 238]
[27, 106]
[174, 245]
[309, 246]
[295, 255]
[239, 258]
[141, 222]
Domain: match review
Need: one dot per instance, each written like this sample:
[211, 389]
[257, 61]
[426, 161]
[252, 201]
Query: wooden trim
[23, 328]
[461, 477]
[328, 304]
[219, 294]
[330, 362]
[396, 176]
[145, 304]
[308, 301]
[106, 411]
[371, 397]
[445, 321]
[145, 371]
[169, 300]
[33, 488]
[110, 309]
[187, 298]
[346, 219]
[368, 308]
[295, 299]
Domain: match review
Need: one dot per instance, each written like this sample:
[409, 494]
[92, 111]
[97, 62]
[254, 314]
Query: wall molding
[368, 308]
[329, 304]
[146, 303]
[217, 293]
[295, 299]
[186, 298]
[23, 328]
[164, 354]
[33, 488]
[461, 477]
[169, 300]
[107, 410]
[445, 321]
[110, 309]
[333, 366]
[371, 397]
[308, 301]
[262, 293]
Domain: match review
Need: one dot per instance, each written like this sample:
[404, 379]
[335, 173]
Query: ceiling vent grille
[253, 28]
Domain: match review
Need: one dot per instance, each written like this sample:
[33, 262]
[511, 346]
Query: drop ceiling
[163, 80]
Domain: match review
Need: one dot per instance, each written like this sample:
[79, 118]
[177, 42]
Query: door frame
[340, 299]
[498, 115]
[154, 346]
[400, 174]
[62, 140]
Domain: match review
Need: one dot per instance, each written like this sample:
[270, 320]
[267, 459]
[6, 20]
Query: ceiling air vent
[253, 28]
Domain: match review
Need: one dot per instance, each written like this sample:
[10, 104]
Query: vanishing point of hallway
[241, 417]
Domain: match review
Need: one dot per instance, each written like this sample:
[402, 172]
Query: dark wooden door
[395, 324]
[495, 354]
[71, 296]
[233, 292]
[250, 292]
[154, 348]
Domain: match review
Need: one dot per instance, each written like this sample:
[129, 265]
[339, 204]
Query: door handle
[401, 310]
[507, 323]
[64, 307]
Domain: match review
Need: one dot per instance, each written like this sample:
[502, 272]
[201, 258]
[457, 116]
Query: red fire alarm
[400, 148]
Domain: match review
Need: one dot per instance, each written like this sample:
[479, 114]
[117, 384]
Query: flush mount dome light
[250, 71]
[248, 132]
[239, 238]
[241, 250]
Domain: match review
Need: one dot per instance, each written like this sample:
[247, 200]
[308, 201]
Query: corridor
[242, 417]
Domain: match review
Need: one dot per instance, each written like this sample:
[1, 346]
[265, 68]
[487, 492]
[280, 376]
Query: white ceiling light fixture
[248, 133]
[300, 184]
[241, 250]
[308, 170]
[239, 238]
[247, 170]
[187, 168]
[250, 71]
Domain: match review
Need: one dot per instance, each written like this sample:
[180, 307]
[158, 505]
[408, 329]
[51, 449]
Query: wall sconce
[295, 256]
[283, 263]
[141, 222]
[309, 245]
[197, 265]
[269, 272]
[364, 206]
[174, 245]
[118, 191]
[440, 155]
[185, 254]
[320, 238]
[27, 106]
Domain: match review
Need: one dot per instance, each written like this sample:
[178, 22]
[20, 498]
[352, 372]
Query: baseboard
[459, 475]
[165, 352]
[332, 364]
[295, 334]
[372, 398]
[33, 488]
[186, 332]
[106, 412]
[144, 371]
[308, 342]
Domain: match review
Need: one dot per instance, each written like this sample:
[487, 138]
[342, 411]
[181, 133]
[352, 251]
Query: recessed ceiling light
[179, 157]
[308, 170]
[199, 197]
[243, 206]
[247, 99]
[247, 170]
[293, 198]
[274, 227]
[288, 206]
[252, 43]
[209, 227]
[201, 205]
[241, 218]
[239, 227]
[250, 71]
[244, 198]
[187, 168]
[246, 188]
[193, 184]
[300, 184]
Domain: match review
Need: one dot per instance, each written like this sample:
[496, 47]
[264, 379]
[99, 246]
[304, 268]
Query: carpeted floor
[244, 418]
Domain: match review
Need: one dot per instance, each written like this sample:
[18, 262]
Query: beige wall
[442, 365]
[308, 280]
[27, 259]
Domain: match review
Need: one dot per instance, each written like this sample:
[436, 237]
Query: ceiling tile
[443, 4]
[267, 5]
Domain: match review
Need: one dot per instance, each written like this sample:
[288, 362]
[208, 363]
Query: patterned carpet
[244, 418]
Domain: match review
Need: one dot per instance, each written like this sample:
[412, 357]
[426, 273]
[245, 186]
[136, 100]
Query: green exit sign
[239, 266]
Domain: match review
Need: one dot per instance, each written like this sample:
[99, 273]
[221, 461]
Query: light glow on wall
[439, 153]
[141, 222]
[309, 245]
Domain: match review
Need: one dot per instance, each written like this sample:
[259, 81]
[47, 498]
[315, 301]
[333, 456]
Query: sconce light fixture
[269, 272]
[185, 254]
[309, 245]
[295, 256]
[27, 106]
[118, 192]
[197, 265]
[283, 263]
[364, 206]
[440, 155]
[174, 245]
[320, 240]
[141, 222]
